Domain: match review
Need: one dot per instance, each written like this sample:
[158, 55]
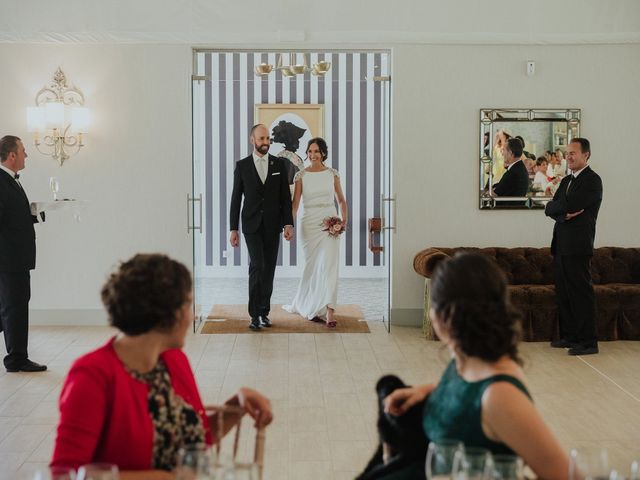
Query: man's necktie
[16, 176]
[262, 163]
[571, 179]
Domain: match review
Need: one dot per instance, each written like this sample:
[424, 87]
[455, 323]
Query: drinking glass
[508, 467]
[635, 470]
[589, 464]
[442, 457]
[194, 462]
[55, 473]
[474, 464]
[241, 471]
[98, 471]
[54, 185]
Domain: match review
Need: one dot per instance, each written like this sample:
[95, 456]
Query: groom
[262, 179]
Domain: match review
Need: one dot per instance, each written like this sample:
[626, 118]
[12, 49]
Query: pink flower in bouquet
[333, 226]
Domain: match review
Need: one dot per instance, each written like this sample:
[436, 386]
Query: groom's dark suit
[572, 248]
[17, 258]
[266, 209]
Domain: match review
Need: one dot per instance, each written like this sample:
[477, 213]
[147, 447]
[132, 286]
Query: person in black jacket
[515, 181]
[574, 208]
[262, 180]
[17, 257]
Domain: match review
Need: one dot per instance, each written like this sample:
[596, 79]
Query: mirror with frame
[545, 134]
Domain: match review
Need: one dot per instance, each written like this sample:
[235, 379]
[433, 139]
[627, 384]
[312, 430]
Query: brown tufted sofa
[529, 271]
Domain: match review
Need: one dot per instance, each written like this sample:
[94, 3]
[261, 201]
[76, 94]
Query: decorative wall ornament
[59, 118]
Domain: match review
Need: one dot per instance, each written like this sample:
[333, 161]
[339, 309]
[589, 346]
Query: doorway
[350, 107]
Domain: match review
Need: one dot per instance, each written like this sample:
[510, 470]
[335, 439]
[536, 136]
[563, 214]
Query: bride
[317, 185]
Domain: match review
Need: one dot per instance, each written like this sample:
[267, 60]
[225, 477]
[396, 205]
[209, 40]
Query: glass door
[388, 200]
[200, 84]
[228, 98]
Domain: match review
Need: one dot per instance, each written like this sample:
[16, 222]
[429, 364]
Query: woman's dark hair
[145, 293]
[322, 146]
[469, 295]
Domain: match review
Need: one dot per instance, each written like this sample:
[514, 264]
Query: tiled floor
[321, 386]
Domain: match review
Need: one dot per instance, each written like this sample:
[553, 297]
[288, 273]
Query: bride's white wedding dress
[318, 288]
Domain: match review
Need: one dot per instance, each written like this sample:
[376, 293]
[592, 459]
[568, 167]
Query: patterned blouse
[175, 422]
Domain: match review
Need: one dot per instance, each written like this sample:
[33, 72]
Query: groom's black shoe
[264, 321]
[255, 323]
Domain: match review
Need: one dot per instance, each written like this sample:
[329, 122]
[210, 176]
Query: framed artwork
[291, 126]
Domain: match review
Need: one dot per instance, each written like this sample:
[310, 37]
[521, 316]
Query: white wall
[134, 172]
[135, 169]
[438, 91]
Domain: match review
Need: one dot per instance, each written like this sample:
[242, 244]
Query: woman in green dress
[482, 398]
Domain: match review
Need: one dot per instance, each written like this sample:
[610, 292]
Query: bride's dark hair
[322, 146]
[470, 298]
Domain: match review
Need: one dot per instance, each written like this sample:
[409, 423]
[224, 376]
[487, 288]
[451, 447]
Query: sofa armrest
[426, 261]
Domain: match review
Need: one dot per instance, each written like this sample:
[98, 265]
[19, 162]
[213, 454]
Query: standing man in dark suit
[575, 208]
[262, 180]
[17, 257]
[515, 181]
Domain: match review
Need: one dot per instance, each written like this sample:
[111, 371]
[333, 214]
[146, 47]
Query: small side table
[71, 205]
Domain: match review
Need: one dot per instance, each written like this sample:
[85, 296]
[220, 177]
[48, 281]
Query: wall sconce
[294, 68]
[60, 117]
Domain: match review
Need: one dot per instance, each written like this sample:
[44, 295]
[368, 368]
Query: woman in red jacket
[134, 401]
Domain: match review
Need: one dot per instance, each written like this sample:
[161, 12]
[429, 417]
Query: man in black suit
[575, 208]
[262, 180]
[515, 181]
[17, 257]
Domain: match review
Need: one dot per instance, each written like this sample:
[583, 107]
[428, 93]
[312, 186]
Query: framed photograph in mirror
[544, 135]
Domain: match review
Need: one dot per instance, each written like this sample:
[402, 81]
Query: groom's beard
[262, 149]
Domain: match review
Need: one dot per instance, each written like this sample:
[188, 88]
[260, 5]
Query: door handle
[192, 201]
[389, 199]
[374, 225]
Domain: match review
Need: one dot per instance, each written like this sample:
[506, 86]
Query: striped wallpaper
[354, 111]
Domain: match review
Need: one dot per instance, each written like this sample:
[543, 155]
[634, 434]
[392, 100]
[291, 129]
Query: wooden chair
[260, 438]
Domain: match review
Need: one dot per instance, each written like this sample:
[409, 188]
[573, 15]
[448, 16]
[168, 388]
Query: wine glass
[508, 467]
[194, 462]
[55, 473]
[241, 471]
[589, 464]
[443, 458]
[98, 471]
[474, 464]
[54, 185]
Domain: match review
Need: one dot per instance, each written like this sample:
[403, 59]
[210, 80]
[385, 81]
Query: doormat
[235, 319]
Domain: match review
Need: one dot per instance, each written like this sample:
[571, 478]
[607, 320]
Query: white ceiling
[333, 22]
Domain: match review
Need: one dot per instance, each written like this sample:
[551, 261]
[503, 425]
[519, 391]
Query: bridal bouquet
[333, 226]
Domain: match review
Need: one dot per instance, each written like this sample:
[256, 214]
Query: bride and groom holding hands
[268, 210]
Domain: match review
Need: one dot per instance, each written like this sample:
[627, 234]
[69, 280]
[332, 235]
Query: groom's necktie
[262, 169]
